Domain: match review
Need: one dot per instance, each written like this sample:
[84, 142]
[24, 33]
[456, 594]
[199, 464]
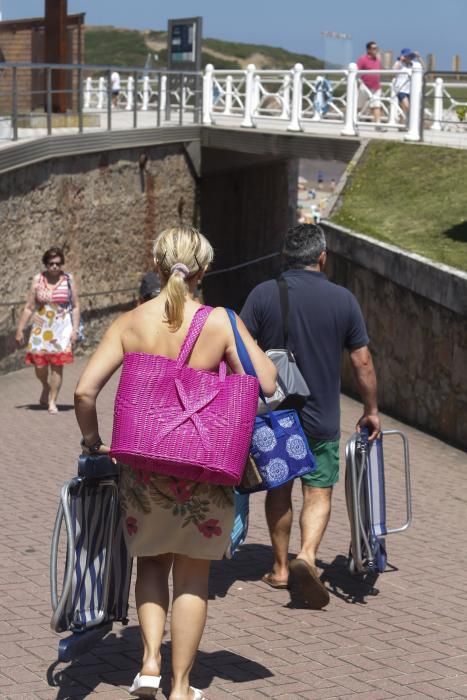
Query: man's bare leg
[314, 519]
[279, 519]
[376, 115]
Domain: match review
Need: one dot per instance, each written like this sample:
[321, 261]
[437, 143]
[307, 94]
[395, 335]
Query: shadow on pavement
[248, 564]
[81, 677]
[351, 589]
[38, 407]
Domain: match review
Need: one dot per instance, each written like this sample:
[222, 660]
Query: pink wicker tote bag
[192, 424]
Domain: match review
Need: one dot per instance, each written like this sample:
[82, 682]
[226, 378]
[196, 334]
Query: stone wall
[105, 211]
[416, 313]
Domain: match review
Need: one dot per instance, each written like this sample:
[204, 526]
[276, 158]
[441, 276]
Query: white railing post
[249, 96]
[393, 119]
[438, 105]
[130, 87]
[416, 103]
[163, 95]
[87, 93]
[350, 107]
[208, 83]
[101, 93]
[228, 95]
[285, 97]
[296, 112]
[256, 95]
[146, 93]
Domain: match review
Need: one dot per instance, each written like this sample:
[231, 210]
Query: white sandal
[198, 694]
[145, 686]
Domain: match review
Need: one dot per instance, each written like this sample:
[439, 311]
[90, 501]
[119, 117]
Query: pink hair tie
[181, 268]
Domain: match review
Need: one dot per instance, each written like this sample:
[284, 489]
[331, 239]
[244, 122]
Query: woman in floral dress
[170, 524]
[53, 305]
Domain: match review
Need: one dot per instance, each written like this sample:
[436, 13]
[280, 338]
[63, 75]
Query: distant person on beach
[403, 81]
[370, 88]
[116, 87]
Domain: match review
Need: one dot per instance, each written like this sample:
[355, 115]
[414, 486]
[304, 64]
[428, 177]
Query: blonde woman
[170, 524]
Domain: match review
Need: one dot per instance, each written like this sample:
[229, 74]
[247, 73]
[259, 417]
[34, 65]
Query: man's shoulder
[337, 290]
[263, 290]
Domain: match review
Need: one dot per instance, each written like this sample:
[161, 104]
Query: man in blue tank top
[324, 320]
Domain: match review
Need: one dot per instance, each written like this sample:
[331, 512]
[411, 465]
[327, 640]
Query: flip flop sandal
[305, 585]
[145, 686]
[268, 578]
[198, 694]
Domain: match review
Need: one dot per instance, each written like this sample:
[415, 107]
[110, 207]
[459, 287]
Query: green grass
[122, 47]
[411, 196]
[277, 57]
[115, 47]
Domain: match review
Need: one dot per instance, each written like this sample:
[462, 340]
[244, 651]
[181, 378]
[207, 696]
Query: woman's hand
[103, 450]
[74, 338]
[19, 337]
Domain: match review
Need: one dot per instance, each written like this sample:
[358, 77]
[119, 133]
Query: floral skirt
[50, 339]
[166, 515]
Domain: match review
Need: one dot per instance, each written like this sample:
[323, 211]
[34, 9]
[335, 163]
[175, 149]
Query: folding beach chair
[98, 567]
[366, 500]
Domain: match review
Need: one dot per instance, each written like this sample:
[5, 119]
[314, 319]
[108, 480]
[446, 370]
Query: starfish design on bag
[190, 412]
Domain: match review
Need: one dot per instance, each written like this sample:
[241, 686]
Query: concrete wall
[416, 314]
[104, 211]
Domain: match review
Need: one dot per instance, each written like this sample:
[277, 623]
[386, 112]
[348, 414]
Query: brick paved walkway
[408, 641]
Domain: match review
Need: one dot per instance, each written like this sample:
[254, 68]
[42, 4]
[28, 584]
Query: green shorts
[326, 453]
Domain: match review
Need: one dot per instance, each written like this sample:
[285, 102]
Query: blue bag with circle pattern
[279, 447]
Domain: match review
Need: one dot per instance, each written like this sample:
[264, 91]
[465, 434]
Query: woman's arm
[264, 367]
[27, 313]
[107, 358]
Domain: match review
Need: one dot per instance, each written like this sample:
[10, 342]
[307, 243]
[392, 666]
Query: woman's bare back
[145, 330]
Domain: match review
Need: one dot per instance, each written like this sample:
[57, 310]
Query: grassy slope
[124, 47]
[411, 196]
[117, 48]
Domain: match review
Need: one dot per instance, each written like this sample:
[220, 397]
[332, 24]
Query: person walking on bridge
[371, 82]
[324, 318]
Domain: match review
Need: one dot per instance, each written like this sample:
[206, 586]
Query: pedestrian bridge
[232, 107]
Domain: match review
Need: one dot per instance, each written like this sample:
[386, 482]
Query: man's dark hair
[370, 44]
[150, 286]
[303, 244]
[53, 253]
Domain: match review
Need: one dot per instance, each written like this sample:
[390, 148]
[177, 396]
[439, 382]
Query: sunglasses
[53, 263]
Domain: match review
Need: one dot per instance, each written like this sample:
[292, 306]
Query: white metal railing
[299, 96]
[294, 99]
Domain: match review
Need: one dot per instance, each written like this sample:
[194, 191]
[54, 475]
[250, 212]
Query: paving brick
[408, 641]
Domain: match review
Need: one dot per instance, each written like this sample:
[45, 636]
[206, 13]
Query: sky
[429, 26]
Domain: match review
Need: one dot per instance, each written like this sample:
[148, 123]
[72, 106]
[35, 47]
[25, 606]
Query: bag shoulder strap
[241, 349]
[284, 299]
[196, 326]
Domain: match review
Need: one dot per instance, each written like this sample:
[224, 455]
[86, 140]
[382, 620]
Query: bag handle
[194, 331]
[284, 298]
